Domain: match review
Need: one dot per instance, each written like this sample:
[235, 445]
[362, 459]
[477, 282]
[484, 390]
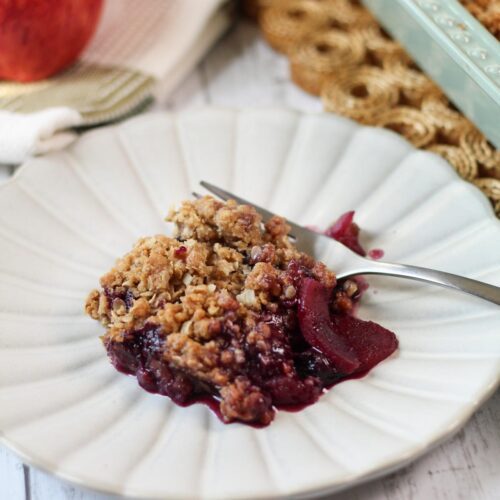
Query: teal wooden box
[454, 49]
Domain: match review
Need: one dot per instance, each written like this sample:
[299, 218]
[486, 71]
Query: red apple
[41, 37]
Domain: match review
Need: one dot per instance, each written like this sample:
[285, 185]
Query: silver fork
[348, 263]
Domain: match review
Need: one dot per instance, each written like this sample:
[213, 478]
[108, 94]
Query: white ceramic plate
[64, 218]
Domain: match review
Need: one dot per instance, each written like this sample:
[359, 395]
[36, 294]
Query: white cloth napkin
[161, 38]
[25, 135]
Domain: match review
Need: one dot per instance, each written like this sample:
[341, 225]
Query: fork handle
[447, 280]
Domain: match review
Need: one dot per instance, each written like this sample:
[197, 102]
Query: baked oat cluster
[215, 312]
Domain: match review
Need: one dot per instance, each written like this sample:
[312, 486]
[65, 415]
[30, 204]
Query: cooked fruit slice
[316, 327]
[371, 342]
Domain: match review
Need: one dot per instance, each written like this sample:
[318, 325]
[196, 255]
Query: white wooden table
[241, 71]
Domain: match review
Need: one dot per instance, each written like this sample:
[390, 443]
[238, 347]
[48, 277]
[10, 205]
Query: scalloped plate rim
[349, 479]
[333, 487]
[28, 165]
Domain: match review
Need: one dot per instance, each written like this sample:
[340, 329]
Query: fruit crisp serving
[229, 312]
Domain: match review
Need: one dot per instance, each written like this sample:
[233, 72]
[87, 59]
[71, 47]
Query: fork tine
[266, 214]
[226, 195]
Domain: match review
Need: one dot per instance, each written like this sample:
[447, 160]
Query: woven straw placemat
[338, 51]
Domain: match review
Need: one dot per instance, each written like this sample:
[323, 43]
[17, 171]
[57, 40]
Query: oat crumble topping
[213, 310]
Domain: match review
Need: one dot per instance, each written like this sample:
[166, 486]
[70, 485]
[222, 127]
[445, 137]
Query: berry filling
[316, 327]
[231, 314]
[346, 231]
